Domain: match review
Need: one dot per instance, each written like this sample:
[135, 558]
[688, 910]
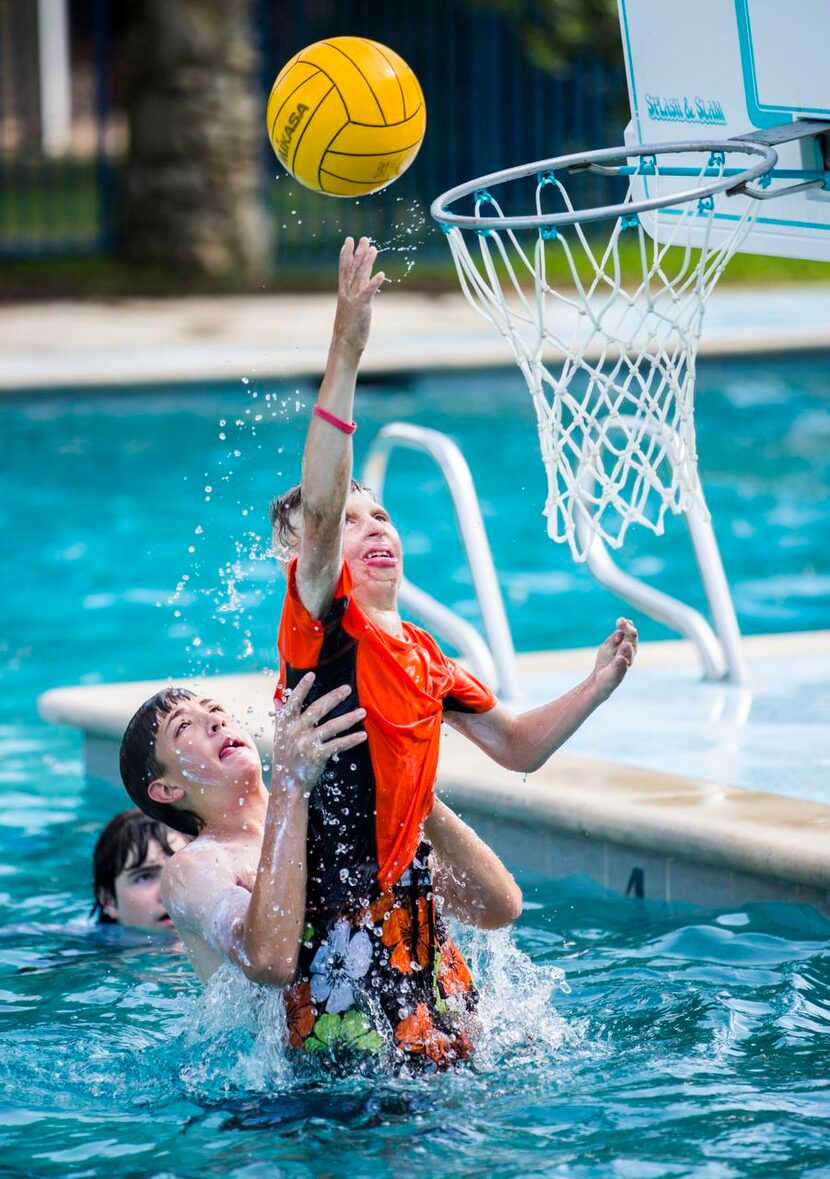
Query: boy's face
[137, 889]
[371, 546]
[201, 746]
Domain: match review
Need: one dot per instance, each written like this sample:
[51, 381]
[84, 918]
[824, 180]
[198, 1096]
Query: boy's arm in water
[474, 883]
[260, 928]
[525, 742]
[327, 458]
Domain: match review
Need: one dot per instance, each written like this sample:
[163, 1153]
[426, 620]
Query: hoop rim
[768, 160]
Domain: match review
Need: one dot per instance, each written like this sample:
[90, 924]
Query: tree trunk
[193, 200]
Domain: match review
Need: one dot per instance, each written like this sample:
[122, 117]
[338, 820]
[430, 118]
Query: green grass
[49, 202]
[90, 277]
[57, 208]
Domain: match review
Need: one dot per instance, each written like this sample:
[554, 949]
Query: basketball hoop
[609, 352]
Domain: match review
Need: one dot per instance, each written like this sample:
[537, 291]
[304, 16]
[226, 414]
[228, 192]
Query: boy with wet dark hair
[237, 891]
[139, 763]
[127, 864]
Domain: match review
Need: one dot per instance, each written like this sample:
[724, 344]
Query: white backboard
[715, 69]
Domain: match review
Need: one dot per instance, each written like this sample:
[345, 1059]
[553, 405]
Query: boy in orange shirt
[376, 954]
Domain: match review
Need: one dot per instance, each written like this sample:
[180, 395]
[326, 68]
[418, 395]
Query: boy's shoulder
[205, 858]
[426, 642]
[202, 851]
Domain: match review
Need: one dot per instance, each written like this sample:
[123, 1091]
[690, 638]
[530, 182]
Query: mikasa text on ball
[346, 116]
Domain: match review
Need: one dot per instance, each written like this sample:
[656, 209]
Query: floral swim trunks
[382, 977]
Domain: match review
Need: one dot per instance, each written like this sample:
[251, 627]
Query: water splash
[520, 1024]
[409, 232]
[234, 1042]
[229, 594]
[235, 1039]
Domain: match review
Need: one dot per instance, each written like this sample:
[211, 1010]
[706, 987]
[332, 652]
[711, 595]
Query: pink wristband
[333, 420]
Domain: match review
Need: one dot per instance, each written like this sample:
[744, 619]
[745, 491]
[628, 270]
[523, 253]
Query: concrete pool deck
[646, 813]
[63, 345]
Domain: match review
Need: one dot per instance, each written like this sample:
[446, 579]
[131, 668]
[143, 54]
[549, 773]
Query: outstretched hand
[304, 741]
[356, 288]
[614, 657]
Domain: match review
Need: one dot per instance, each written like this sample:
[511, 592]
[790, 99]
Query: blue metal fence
[62, 206]
[488, 108]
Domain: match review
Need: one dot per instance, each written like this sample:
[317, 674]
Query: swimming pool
[623, 1038]
[688, 1040]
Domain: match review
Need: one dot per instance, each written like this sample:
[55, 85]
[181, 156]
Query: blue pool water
[621, 1038]
[105, 513]
[689, 1043]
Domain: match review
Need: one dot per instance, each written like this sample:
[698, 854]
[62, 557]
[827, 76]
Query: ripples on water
[619, 1037]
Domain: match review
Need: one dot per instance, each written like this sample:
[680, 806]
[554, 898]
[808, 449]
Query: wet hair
[140, 766]
[123, 843]
[284, 507]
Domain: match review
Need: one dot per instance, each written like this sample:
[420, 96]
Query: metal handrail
[494, 661]
[720, 649]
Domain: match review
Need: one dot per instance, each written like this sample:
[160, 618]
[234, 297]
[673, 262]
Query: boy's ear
[107, 902]
[160, 791]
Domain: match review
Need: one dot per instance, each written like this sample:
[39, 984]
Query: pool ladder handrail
[493, 660]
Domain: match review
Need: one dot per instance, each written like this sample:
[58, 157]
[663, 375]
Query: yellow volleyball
[346, 116]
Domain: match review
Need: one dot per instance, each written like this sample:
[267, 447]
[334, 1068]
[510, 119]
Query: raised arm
[260, 929]
[327, 458]
[525, 742]
[475, 885]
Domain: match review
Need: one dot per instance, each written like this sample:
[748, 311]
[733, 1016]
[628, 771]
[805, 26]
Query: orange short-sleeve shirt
[385, 786]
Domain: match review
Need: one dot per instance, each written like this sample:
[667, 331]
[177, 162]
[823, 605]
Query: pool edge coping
[756, 832]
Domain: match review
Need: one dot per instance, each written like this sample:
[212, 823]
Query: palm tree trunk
[193, 200]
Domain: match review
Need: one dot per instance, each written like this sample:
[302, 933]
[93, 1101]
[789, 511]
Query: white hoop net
[608, 352]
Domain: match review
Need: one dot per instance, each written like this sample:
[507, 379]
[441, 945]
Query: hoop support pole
[720, 648]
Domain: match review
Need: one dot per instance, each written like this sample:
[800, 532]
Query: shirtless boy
[237, 890]
[370, 891]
